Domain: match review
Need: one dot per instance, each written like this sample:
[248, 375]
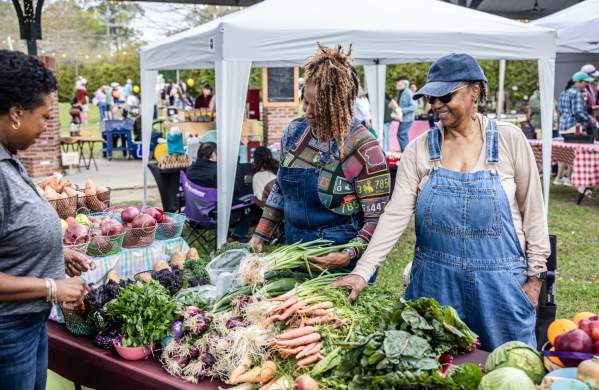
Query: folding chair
[200, 213]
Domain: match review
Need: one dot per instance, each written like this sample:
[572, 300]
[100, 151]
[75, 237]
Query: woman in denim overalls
[468, 254]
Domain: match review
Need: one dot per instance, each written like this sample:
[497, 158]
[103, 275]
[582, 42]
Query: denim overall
[306, 218]
[467, 251]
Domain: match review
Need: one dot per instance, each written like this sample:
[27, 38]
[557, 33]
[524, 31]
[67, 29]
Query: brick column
[43, 157]
[275, 122]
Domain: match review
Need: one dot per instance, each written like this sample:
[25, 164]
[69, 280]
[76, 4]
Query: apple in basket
[155, 213]
[76, 234]
[129, 214]
[143, 221]
[111, 227]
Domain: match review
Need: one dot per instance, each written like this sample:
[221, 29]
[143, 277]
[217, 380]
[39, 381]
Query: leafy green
[146, 311]
[468, 376]
[194, 272]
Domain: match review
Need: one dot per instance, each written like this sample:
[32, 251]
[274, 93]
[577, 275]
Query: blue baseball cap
[446, 74]
[581, 76]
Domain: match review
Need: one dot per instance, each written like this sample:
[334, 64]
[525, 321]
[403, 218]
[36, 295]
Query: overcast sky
[158, 19]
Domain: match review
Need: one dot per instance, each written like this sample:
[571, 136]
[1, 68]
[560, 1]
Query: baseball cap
[590, 70]
[581, 76]
[446, 74]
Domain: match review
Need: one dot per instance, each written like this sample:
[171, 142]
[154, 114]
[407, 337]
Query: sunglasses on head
[445, 98]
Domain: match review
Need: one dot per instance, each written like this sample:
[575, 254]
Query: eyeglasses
[445, 98]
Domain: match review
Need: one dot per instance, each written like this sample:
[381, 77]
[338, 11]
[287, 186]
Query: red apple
[596, 347]
[166, 219]
[573, 341]
[585, 325]
[143, 221]
[155, 213]
[129, 214]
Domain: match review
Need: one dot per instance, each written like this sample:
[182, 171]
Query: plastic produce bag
[200, 296]
[222, 268]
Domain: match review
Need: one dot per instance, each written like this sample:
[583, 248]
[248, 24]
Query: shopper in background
[408, 107]
[205, 100]
[591, 91]
[363, 109]
[264, 169]
[83, 99]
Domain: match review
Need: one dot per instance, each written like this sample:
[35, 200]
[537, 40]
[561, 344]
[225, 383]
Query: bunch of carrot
[298, 313]
[303, 343]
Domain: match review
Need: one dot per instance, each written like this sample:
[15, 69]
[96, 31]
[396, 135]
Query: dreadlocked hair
[336, 82]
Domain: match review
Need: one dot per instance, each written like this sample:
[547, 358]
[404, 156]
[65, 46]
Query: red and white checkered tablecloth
[583, 158]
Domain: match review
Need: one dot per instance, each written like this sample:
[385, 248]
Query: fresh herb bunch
[146, 310]
[171, 280]
[100, 296]
[194, 272]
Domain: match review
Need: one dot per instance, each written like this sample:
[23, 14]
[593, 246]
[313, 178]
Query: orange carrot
[321, 320]
[260, 374]
[310, 351]
[321, 305]
[305, 350]
[245, 365]
[319, 312]
[289, 302]
[309, 360]
[291, 310]
[279, 299]
[304, 340]
[295, 333]
[291, 351]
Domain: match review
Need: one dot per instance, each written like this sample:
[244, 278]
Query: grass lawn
[93, 124]
[577, 230]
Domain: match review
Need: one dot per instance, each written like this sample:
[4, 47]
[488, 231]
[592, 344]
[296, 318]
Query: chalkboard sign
[281, 85]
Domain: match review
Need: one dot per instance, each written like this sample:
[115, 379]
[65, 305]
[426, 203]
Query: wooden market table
[78, 144]
[582, 158]
[78, 360]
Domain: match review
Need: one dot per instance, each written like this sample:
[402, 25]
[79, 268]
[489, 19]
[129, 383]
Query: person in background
[83, 99]
[392, 113]
[116, 96]
[100, 100]
[33, 262]
[421, 103]
[131, 107]
[363, 109]
[205, 100]
[408, 108]
[534, 112]
[591, 91]
[573, 113]
[109, 102]
[473, 188]
[127, 90]
[264, 174]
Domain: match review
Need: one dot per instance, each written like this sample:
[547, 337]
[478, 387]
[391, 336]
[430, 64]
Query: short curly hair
[24, 81]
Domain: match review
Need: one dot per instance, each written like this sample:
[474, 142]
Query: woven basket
[78, 247]
[139, 237]
[166, 231]
[88, 204]
[76, 322]
[66, 207]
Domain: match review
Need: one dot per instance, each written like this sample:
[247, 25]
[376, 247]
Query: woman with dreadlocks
[333, 182]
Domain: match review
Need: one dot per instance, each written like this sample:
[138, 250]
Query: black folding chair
[547, 307]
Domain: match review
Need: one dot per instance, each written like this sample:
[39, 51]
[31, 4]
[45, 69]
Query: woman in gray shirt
[32, 262]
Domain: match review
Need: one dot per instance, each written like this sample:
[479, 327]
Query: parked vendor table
[583, 158]
[78, 360]
[78, 144]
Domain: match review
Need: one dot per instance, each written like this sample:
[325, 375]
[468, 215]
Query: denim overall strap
[467, 250]
[434, 144]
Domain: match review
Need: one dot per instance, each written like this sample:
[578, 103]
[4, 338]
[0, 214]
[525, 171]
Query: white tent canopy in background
[577, 27]
[285, 32]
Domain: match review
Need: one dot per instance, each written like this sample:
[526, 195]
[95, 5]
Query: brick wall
[43, 157]
[275, 122]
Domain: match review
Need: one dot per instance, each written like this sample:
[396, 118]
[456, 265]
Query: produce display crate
[101, 246]
[166, 231]
[139, 237]
[66, 207]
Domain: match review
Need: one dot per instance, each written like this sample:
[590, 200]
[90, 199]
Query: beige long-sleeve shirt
[519, 179]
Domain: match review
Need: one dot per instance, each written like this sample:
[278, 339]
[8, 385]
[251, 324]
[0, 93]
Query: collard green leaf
[399, 343]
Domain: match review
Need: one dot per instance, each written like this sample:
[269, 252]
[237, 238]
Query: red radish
[129, 214]
[573, 341]
[155, 213]
[143, 221]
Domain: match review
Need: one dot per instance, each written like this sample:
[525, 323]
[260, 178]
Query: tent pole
[501, 91]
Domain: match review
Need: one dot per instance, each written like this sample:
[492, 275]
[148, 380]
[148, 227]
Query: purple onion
[192, 311]
[235, 322]
[208, 360]
[182, 361]
[177, 329]
[194, 352]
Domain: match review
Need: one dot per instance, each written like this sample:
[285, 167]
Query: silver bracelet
[48, 290]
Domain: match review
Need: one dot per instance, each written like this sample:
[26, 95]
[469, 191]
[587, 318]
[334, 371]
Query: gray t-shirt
[30, 233]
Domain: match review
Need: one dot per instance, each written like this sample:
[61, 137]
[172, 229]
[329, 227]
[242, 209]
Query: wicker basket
[100, 246]
[65, 207]
[77, 322]
[139, 237]
[89, 204]
[78, 247]
[166, 231]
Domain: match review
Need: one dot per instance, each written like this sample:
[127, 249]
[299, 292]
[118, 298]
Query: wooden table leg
[91, 155]
[80, 146]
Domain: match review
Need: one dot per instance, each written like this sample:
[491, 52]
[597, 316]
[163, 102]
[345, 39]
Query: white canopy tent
[284, 32]
[576, 26]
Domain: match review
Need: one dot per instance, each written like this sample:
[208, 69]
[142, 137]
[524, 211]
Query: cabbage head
[516, 354]
[506, 378]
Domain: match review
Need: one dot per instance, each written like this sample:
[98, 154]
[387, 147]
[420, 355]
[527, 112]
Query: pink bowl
[132, 353]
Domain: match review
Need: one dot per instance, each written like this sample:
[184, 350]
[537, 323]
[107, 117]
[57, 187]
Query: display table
[583, 158]
[78, 144]
[129, 262]
[167, 181]
[78, 360]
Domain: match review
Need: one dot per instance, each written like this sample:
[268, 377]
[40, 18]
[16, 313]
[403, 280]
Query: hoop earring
[473, 117]
[16, 125]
